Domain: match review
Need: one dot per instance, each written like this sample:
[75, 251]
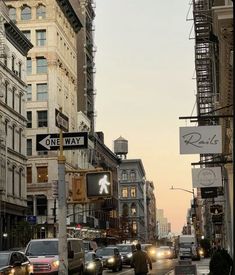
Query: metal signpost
[63, 250]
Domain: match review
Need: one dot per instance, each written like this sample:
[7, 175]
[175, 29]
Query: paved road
[161, 267]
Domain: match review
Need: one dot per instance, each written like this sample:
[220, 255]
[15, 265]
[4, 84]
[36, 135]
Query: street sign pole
[63, 255]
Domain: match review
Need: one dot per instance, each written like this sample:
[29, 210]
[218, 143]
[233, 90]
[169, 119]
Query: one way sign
[50, 142]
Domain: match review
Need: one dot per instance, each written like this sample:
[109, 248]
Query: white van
[43, 254]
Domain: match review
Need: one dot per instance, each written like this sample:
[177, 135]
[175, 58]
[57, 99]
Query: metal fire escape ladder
[203, 57]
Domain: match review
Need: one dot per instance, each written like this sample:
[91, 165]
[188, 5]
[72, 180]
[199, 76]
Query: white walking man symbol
[104, 183]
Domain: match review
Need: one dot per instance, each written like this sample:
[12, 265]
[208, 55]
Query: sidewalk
[202, 267]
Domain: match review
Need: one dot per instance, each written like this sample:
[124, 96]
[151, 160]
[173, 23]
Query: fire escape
[204, 59]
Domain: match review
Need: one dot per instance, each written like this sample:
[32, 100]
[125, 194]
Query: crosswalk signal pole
[62, 210]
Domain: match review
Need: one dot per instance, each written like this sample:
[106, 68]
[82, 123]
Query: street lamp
[194, 203]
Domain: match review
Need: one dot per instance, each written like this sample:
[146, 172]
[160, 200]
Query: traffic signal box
[99, 184]
[92, 186]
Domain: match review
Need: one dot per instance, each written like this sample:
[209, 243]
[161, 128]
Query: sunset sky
[145, 82]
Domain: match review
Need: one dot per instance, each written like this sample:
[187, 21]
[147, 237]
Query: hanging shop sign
[216, 209]
[201, 140]
[206, 177]
[209, 192]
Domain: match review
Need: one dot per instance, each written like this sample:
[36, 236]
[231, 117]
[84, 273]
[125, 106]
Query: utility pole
[62, 207]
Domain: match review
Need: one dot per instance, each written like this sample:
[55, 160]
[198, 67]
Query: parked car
[93, 264]
[44, 255]
[14, 262]
[165, 252]
[126, 251]
[150, 249]
[111, 257]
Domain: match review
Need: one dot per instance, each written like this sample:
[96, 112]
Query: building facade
[151, 212]
[13, 196]
[51, 76]
[132, 200]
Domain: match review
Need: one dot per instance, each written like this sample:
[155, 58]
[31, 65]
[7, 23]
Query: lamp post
[193, 206]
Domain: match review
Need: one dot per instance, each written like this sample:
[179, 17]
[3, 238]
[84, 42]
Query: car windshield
[89, 257]
[104, 252]
[42, 248]
[124, 248]
[4, 259]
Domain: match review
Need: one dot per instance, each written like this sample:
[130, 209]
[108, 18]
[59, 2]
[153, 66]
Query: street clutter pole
[62, 210]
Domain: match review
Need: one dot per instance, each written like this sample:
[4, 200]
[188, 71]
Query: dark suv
[126, 251]
[111, 258]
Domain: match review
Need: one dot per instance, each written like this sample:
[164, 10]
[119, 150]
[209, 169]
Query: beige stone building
[51, 71]
[13, 198]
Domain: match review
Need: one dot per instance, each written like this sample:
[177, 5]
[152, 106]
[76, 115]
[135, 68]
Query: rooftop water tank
[120, 146]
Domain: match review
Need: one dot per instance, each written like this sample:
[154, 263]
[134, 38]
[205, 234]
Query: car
[14, 262]
[150, 249]
[111, 257]
[126, 251]
[165, 252]
[93, 264]
[44, 255]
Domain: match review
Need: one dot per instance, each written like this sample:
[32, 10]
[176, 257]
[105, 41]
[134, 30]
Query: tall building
[14, 47]
[163, 225]
[86, 59]
[151, 212]
[213, 25]
[52, 84]
[132, 200]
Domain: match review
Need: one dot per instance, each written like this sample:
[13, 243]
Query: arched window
[124, 175]
[12, 13]
[125, 210]
[133, 175]
[25, 13]
[133, 209]
[41, 11]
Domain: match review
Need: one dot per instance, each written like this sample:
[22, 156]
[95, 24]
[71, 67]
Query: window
[6, 127]
[29, 174]
[42, 118]
[29, 205]
[41, 205]
[133, 209]
[13, 137]
[42, 174]
[133, 175]
[124, 192]
[133, 192]
[29, 119]
[20, 70]
[29, 92]
[41, 37]
[41, 12]
[13, 63]
[124, 175]
[42, 94]
[25, 13]
[6, 91]
[20, 182]
[20, 140]
[27, 34]
[12, 13]
[13, 180]
[20, 102]
[13, 97]
[125, 210]
[29, 66]
[41, 65]
[29, 149]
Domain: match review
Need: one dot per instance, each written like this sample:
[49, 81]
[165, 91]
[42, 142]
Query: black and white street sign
[61, 121]
[50, 142]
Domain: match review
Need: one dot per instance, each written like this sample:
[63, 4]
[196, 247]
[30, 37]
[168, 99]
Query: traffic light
[99, 184]
[78, 189]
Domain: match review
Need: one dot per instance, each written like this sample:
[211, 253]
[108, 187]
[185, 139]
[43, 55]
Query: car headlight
[55, 264]
[129, 255]
[152, 251]
[201, 252]
[30, 268]
[12, 272]
[111, 260]
[159, 254]
[91, 266]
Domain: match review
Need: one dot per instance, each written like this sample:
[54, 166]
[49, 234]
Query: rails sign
[50, 142]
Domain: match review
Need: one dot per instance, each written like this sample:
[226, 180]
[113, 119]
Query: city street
[161, 267]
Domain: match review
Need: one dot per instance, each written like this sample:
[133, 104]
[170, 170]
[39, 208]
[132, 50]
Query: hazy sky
[144, 82]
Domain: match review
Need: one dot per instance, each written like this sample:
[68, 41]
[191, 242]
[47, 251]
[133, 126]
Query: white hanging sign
[206, 177]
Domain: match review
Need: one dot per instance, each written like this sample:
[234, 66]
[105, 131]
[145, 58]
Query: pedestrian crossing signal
[99, 184]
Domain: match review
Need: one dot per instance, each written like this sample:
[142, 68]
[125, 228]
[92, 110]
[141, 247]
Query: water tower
[121, 147]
